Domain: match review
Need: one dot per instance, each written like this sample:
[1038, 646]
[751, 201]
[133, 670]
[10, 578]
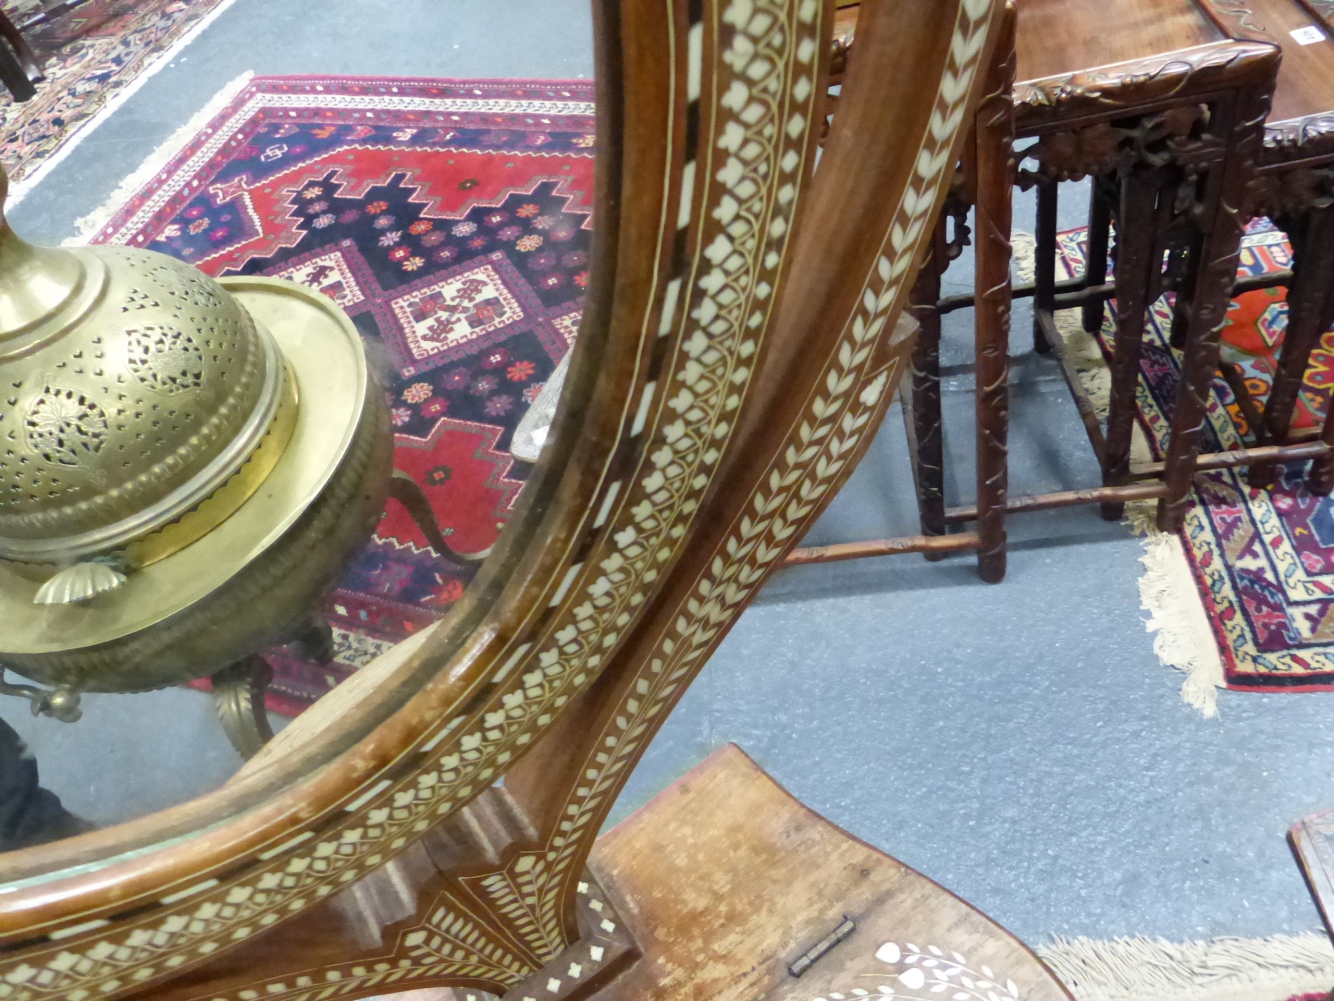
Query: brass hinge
[812, 955]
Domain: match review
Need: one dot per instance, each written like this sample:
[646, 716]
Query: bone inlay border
[756, 107]
[838, 416]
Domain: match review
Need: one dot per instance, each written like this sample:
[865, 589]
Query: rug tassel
[1184, 639]
[1221, 969]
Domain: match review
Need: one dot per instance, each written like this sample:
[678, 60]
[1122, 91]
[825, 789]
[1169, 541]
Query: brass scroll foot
[315, 640]
[404, 489]
[59, 703]
[238, 696]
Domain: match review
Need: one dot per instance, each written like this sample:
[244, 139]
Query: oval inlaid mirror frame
[742, 341]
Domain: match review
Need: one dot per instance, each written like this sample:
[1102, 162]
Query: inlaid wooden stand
[430, 823]
[723, 887]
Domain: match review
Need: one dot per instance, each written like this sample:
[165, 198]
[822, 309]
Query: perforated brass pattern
[155, 383]
[65, 428]
[166, 359]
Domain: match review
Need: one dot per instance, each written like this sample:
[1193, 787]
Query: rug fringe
[87, 226]
[1221, 969]
[1023, 255]
[21, 189]
[1184, 638]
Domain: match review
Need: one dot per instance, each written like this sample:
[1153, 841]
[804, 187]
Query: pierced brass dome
[168, 505]
[140, 404]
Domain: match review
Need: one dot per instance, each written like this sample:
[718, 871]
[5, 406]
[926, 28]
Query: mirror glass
[255, 485]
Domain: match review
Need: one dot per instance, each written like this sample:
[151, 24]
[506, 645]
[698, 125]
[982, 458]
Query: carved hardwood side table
[1155, 101]
[1294, 188]
[1171, 137]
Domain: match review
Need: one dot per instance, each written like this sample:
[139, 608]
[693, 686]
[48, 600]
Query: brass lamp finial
[36, 282]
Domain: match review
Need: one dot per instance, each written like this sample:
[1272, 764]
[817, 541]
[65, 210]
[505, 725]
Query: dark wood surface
[1312, 840]
[726, 881]
[1306, 78]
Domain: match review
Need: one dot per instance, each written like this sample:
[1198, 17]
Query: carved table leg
[1134, 258]
[12, 75]
[1320, 480]
[926, 442]
[19, 69]
[994, 137]
[238, 696]
[1217, 270]
[1188, 276]
[1095, 267]
[1309, 298]
[1044, 262]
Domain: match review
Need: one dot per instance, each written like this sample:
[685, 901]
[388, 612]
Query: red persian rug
[451, 220]
[1262, 561]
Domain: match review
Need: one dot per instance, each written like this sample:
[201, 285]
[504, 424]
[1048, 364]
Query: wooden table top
[728, 883]
[1306, 77]
[1056, 37]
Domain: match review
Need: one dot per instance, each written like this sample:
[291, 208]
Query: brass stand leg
[404, 489]
[1095, 268]
[926, 447]
[316, 640]
[238, 696]
[995, 184]
[1309, 299]
[1134, 258]
[1044, 263]
[60, 703]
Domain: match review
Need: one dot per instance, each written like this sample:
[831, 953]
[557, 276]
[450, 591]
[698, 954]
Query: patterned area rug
[90, 57]
[451, 220]
[1262, 561]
